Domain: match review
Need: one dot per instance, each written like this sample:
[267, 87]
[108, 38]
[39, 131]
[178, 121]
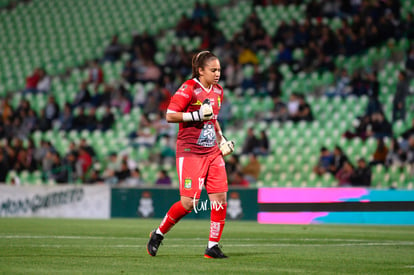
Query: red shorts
[194, 172]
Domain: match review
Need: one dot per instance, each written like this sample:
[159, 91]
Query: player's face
[210, 74]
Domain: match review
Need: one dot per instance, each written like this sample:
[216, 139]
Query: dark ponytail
[199, 61]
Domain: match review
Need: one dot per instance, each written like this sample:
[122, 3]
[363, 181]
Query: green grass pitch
[118, 246]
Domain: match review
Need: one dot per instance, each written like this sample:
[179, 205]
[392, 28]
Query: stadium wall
[266, 205]
[72, 201]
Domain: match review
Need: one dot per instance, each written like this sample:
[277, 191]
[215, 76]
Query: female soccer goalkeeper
[200, 150]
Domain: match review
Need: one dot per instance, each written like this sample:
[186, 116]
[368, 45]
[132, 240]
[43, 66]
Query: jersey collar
[205, 89]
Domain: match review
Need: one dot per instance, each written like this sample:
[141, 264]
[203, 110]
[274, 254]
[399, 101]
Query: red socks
[174, 215]
[218, 219]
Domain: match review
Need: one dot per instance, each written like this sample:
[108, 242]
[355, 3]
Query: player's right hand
[206, 111]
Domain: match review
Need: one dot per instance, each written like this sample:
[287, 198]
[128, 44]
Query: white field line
[226, 245]
[188, 239]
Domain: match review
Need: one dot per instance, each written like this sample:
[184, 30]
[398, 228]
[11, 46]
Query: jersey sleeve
[181, 99]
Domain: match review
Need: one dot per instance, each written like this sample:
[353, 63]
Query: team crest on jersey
[187, 183]
[207, 136]
[197, 91]
[217, 91]
[197, 103]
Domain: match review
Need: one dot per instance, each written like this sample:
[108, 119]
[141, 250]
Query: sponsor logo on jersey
[182, 94]
[187, 183]
[183, 87]
[197, 103]
[197, 91]
[219, 102]
[217, 91]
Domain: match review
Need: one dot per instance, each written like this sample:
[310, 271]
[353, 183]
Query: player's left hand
[226, 146]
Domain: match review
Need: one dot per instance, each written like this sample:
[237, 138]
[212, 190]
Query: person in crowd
[163, 178]
[401, 93]
[238, 180]
[44, 83]
[380, 154]
[250, 143]
[83, 96]
[343, 175]
[396, 155]
[338, 160]
[251, 170]
[324, 162]
[96, 75]
[362, 174]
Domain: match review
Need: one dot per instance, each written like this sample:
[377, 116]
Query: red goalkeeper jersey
[196, 138]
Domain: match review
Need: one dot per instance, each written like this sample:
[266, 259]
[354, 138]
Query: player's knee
[188, 203]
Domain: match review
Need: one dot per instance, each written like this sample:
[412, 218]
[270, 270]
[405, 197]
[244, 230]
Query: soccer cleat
[153, 243]
[214, 253]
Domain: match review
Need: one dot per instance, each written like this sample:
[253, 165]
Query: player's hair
[199, 61]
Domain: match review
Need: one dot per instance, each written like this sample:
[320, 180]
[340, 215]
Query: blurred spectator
[342, 87]
[401, 93]
[91, 120]
[150, 72]
[304, 111]
[80, 121]
[324, 162]
[84, 162]
[163, 178]
[251, 170]
[410, 151]
[238, 180]
[361, 175]
[280, 110]
[43, 123]
[43, 85]
[361, 126]
[374, 105]
[111, 167]
[96, 75]
[293, 104]
[273, 86]
[380, 153]
[107, 120]
[379, 126]
[123, 173]
[343, 175]
[285, 55]
[247, 56]
[32, 81]
[4, 166]
[83, 96]
[134, 179]
[251, 142]
[114, 50]
[338, 160]
[395, 155]
[409, 63]
[94, 177]
[232, 166]
[233, 74]
[262, 147]
[409, 132]
[129, 73]
[51, 109]
[145, 135]
[66, 118]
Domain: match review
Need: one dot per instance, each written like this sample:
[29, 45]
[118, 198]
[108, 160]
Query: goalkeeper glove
[204, 113]
[226, 146]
